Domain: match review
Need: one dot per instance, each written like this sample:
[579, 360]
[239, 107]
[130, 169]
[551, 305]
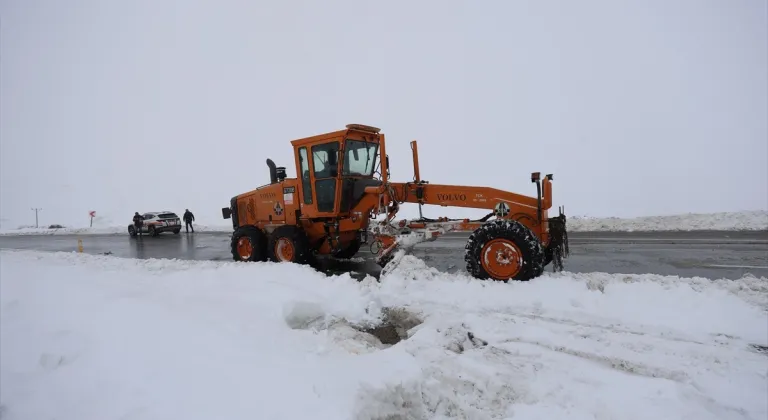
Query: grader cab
[342, 187]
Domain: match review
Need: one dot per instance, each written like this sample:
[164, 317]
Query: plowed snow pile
[93, 337]
[745, 220]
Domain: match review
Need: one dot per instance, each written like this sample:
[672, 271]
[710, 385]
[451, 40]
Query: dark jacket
[138, 219]
[189, 217]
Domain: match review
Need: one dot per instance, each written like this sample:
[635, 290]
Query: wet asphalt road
[709, 254]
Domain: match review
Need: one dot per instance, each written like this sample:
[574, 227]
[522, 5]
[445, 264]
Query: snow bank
[727, 221]
[96, 337]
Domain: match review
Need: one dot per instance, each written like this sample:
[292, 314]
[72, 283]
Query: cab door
[325, 171]
[318, 174]
[307, 197]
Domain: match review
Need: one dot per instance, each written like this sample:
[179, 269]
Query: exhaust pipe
[272, 171]
[536, 177]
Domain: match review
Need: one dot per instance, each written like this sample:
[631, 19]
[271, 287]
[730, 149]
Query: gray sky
[144, 105]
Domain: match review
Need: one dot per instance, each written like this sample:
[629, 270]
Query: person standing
[188, 219]
[138, 221]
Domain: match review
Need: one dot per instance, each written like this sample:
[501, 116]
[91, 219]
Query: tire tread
[258, 241]
[299, 239]
[523, 237]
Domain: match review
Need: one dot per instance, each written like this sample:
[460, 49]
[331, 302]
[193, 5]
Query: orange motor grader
[342, 187]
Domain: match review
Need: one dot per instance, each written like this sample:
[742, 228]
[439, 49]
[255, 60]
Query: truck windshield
[359, 158]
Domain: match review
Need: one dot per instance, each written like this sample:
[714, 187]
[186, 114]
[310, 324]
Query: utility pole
[36, 210]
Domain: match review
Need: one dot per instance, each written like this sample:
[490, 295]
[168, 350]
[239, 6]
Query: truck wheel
[249, 244]
[504, 250]
[288, 244]
[350, 251]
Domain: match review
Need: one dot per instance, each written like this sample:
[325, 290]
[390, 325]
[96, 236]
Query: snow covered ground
[746, 220]
[93, 337]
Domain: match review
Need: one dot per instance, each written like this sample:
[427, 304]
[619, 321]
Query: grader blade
[405, 235]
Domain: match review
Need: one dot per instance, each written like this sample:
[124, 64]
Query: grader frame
[331, 206]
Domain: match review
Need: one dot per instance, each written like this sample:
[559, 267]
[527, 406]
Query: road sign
[92, 213]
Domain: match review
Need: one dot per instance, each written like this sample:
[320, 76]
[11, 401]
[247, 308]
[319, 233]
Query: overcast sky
[637, 107]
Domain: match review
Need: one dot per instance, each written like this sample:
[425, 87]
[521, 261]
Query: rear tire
[153, 231]
[249, 244]
[504, 250]
[288, 244]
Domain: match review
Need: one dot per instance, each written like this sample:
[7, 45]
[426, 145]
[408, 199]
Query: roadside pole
[36, 223]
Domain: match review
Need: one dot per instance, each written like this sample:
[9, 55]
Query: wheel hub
[244, 248]
[501, 259]
[284, 250]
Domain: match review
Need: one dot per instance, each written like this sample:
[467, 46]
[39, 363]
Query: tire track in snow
[622, 365]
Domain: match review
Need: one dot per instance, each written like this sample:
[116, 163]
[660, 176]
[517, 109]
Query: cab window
[324, 163]
[306, 184]
[359, 158]
[321, 159]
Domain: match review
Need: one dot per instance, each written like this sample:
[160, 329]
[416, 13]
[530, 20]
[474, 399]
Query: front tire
[289, 244]
[548, 256]
[504, 250]
[249, 244]
[132, 231]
